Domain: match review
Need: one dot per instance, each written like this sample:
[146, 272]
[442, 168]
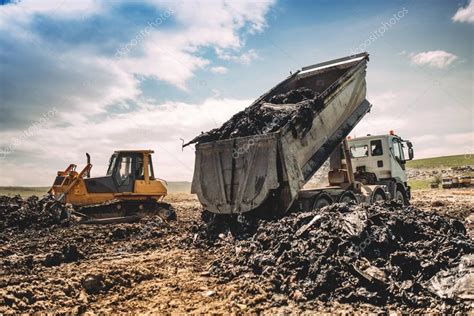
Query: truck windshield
[398, 151]
[359, 151]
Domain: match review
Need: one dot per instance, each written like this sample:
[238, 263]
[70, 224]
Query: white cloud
[82, 78]
[436, 59]
[170, 55]
[166, 53]
[21, 12]
[70, 82]
[152, 126]
[465, 14]
[435, 123]
[219, 70]
[243, 59]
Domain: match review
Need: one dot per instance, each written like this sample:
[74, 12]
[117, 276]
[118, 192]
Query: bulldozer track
[127, 208]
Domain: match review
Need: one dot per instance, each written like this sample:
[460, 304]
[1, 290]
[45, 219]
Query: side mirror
[410, 150]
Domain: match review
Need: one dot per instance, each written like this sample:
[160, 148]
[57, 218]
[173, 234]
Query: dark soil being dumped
[380, 254]
[298, 105]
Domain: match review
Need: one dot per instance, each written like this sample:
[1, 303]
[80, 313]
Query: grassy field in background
[23, 191]
[436, 162]
[419, 184]
[445, 161]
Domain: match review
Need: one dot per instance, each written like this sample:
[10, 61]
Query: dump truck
[266, 173]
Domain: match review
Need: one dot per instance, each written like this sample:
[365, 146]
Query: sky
[98, 76]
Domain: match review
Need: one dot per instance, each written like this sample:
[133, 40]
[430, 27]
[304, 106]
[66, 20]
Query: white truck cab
[374, 172]
[383, 157]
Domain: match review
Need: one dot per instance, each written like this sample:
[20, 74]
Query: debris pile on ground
[36, 242]
[32, 212]
[381, 254]
[267, 117]
[160, 266]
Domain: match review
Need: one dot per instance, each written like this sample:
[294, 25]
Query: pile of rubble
[381, 254]
[32, 212]
[299, 105]
[39, 239]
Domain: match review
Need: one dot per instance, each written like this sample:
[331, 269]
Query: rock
[10, 300]
[71, 253]
[53, 259]
[209, 293]
[437, 203]
[93, 284]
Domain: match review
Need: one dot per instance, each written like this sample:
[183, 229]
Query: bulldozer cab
[127, 166]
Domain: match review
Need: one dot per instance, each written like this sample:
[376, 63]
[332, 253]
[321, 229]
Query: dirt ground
[151, 266]
[454, 202]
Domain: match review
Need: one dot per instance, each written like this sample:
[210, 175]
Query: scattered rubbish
[32, 212]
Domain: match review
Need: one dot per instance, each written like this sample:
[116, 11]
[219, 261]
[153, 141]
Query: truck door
[398, 165]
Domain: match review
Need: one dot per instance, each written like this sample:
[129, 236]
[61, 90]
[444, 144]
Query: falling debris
[263, 117]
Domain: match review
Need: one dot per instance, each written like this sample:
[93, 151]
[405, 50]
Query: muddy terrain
[58, 265]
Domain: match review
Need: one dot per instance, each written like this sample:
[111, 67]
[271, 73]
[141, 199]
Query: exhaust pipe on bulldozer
[88, 162]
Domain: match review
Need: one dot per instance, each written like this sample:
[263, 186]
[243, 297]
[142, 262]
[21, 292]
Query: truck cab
[382, 155]
[380, 159]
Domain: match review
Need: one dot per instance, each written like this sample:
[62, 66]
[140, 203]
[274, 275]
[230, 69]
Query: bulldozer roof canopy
[144, 151]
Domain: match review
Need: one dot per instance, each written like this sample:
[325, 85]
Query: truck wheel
[207, 216]
[377, 196]
[321, 201]
[400, 196]
[347, 197]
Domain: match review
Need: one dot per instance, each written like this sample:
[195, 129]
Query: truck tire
[207, 216]
[347, 197]
[378, 195]
[321, 201]
[400, 195]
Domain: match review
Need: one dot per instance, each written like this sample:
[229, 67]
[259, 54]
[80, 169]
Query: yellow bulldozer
[127, 192]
